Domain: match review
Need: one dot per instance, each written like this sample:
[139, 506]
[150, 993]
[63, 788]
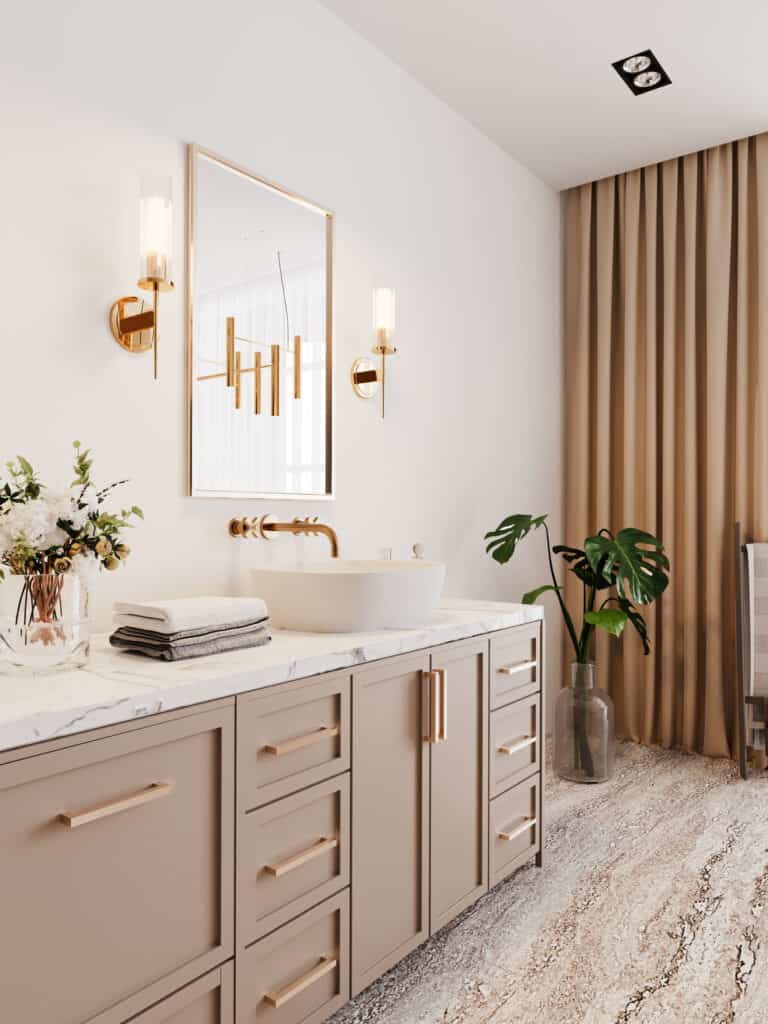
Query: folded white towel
[181, 613]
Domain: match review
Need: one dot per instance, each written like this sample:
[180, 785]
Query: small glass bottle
[584, 738]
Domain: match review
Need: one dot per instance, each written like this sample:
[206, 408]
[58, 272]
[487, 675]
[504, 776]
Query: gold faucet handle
[241, 527]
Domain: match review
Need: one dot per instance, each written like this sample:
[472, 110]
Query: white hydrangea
[36, 521]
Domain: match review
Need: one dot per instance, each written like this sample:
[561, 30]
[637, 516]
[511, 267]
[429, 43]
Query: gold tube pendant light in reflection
[234, 370]
[138, 332]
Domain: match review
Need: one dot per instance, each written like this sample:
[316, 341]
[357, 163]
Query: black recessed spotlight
[642, 72]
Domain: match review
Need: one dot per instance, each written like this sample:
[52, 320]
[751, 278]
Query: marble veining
[118, 687]
[651, 908]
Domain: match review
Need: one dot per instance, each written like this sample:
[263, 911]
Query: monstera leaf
[633, 561]
[533, 595]
[504, 539]
[637, 621]
[578, 564]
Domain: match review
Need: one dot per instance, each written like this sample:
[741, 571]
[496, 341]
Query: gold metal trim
[308, 526]
[275, 367]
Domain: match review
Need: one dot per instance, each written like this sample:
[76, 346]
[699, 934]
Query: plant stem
[566, 616]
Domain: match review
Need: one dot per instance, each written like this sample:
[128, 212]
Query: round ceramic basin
[341, 596]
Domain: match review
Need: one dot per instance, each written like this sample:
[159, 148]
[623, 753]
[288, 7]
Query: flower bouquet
[52, 543]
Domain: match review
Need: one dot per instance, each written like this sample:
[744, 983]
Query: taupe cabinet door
[116, 871]
[390, 814]
[459, 781]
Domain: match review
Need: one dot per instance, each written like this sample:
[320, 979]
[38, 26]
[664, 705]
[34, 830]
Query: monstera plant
[617, 572]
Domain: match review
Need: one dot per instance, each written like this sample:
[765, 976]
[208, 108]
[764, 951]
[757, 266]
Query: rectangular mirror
[259, 360]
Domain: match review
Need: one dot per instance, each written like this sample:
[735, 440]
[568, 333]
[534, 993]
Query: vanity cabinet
[117, 870]
[263, 857]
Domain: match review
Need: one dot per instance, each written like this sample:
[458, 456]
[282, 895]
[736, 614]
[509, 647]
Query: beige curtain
[667, 392]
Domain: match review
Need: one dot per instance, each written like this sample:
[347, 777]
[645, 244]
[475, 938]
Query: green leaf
[508, 534]
[578, 564]
[137, 511]
[25, 466]
[612, 620]
[633, 561]
[637, 621]
[533, 595]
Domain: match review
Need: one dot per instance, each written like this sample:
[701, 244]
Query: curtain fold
[667, 409]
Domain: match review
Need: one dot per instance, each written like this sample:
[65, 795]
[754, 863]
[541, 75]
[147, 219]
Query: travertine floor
[651, 907]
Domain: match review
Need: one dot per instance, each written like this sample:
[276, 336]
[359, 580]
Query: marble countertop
[118, 687]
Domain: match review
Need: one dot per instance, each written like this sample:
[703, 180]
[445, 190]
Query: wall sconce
[365, 377]
[234, 370]
[138, 332]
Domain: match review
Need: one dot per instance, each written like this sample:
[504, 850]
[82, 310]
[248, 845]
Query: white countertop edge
[117, 688]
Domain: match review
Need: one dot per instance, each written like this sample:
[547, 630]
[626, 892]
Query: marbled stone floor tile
[651, 908]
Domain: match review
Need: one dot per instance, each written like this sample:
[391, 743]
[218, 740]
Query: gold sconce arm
[138, 332]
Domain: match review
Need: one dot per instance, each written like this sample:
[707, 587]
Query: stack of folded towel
[190, 627]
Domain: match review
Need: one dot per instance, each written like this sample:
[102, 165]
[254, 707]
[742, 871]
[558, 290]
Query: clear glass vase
[584, 738]
[44, 625]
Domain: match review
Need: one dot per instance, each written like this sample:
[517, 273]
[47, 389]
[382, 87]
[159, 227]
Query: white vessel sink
[351, 597]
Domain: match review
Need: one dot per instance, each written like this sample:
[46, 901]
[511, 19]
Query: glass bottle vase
[44, 624]
[584, 739]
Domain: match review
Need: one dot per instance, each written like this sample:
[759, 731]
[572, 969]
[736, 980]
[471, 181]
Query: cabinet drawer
[291, 737]
[514, 829]
[209, 1000]
[516, 743]
[126, 845]
[299, 973]
[292, 854]
[515, 664]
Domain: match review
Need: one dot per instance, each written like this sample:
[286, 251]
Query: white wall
[423, 202]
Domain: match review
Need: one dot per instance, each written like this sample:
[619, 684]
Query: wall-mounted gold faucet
[262, 527]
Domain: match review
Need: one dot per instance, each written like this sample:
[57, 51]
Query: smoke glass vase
[584, 739]
[44, 624]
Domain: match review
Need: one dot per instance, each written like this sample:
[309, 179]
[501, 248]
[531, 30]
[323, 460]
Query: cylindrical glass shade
[584, 728]
[384, 310]
[156, 232]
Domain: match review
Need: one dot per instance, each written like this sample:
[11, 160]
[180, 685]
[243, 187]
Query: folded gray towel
[174, 652]
[190, 636]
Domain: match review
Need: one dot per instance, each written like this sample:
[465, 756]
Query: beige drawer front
[209, 1000]
[125, 846]
[292, 854]
[516, 743]
[290, 737]
[300, 973]
[515, 664]
[514, 829]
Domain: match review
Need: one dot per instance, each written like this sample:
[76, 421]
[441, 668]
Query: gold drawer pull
[291, 863]
[154, 792]
[307, 740]
[284, 995]
[516, 666]
[520, 830]
[515, 748]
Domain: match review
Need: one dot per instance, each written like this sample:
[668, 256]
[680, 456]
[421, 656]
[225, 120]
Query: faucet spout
[298, 527]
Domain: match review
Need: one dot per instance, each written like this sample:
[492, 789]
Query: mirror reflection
[260, 337]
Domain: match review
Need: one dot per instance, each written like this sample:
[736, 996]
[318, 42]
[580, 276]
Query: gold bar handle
[433, 733]
[519, 831]
[154, 792]
[309, 739]
[283, 867]
[516, 666]
[515, 748]
[442, 677]
[284, 995]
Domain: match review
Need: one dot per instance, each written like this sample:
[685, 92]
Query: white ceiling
[536, 76]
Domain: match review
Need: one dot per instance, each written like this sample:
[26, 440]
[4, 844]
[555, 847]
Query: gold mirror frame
[193, 152]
